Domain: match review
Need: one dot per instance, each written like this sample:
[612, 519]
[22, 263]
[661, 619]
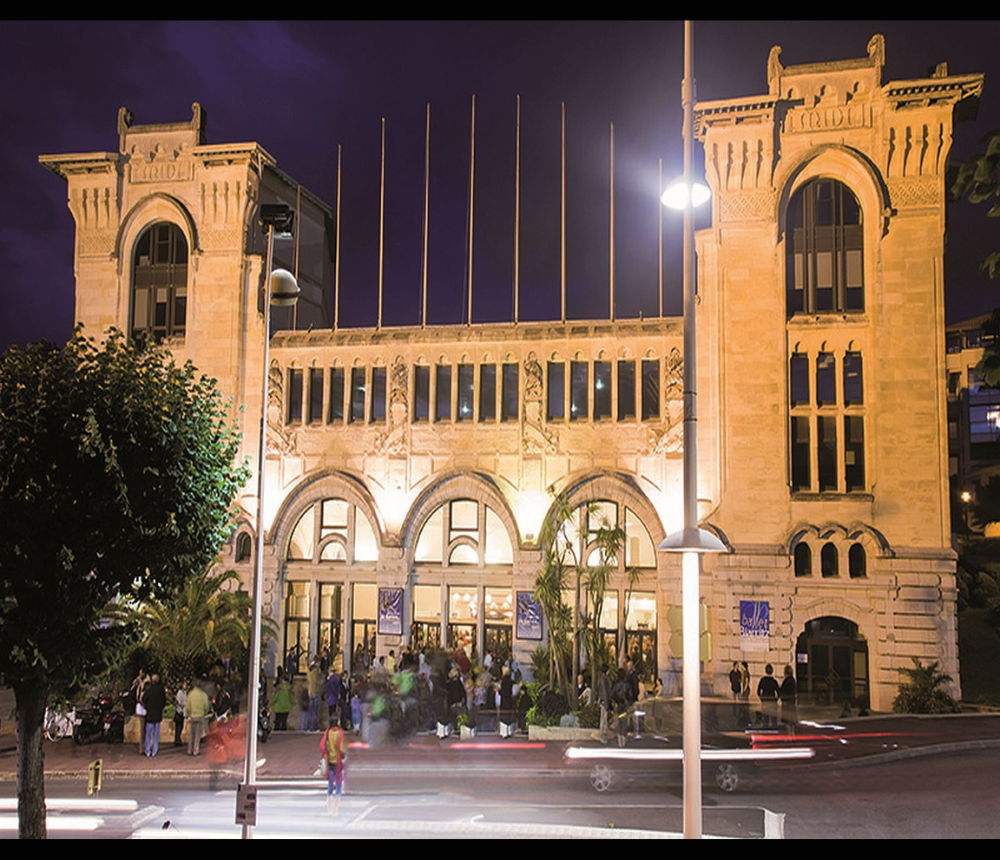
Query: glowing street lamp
[691, 541]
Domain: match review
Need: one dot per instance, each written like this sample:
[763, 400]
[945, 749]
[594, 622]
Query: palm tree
[203, 620]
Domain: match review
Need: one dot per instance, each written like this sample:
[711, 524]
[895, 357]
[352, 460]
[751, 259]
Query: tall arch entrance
[832, 662]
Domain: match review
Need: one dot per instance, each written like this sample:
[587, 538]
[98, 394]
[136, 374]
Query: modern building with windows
[411, 470]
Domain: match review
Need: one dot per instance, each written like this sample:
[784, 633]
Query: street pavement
[295, 755]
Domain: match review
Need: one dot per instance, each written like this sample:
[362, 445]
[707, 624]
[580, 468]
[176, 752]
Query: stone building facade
[410, 471]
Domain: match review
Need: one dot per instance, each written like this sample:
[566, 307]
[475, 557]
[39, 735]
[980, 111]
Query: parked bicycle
[59, 723]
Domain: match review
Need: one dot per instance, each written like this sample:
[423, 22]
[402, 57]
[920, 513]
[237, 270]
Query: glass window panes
[650, 390]
[315, 413]
[463, 604]
[498, 606]
[430, 546]
[853, 389]
[421, 393]
[297, 600]
[294, 395]
[509, 400]
[378, 394]
[466, 392]
[427, 603]
[365, 600]
[799, 388]
[487, 392]
[639, 549]
[464, 517]
[556, 390]
[826, 379]
[498, 548]
[578, 403]
[442, 397]
[303, 537]
[365, 544]
[602, 390]
[357, 406]
[640, 612]
[626, 390]
[335, 412]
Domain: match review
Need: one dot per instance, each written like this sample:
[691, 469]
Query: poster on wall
[390, 611]
[529, 616]
[755, 625]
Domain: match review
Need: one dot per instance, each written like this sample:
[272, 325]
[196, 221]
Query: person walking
[180, 701]
[282, 704]
[333, 748]
[316, 682]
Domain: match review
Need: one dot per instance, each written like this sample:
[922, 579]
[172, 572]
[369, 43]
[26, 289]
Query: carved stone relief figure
[535, 436]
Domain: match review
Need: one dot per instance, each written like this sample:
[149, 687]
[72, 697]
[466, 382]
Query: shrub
[921, 693]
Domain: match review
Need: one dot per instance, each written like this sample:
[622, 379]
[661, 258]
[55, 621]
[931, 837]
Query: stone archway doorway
[831, 658]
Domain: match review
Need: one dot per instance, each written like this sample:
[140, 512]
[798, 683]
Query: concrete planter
[560, 733]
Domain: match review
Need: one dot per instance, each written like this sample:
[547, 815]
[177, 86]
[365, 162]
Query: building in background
[411, 469]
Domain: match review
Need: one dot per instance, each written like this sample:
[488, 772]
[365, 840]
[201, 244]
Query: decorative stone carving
[673, 376]
[535, 436]
[281, 439]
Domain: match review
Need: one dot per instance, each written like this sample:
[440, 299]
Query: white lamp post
[691, 541]
[282, 291]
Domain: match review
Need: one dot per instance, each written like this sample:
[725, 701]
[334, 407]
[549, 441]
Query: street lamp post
[282, 291]
[691, 541]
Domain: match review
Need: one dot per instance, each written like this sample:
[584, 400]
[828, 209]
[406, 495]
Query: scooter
[102, 722]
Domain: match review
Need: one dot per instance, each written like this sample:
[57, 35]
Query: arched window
[829, 560]
[333, 530]
[824, 269]
[857, 561]
[803, 560]
[159, 282]
[244, 546]
[464, 532]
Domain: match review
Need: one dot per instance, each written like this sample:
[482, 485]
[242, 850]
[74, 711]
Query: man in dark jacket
[154, 700]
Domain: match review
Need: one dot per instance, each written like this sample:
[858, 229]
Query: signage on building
[755, 625]
[390, 611]
[529, 616]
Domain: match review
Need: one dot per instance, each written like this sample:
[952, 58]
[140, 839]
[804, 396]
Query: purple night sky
[301, 88]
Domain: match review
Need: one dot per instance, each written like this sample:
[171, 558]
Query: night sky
[302, 88]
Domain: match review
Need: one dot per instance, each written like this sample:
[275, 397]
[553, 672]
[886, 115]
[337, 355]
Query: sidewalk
[295, 755]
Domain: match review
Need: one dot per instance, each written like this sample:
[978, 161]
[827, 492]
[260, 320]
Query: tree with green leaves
[117, 479]
[200, 622]
[921, 692]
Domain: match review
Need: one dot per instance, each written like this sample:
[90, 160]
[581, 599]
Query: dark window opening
[854, 394]
[826, 379]
[487, 392]
[857, 561]
[650, 390]
[335, 410]
[244, 547]
[557, 391]
[159, 282]
[800, 454]
[442, 397]
[466, 392]
[509, 398]
[829, 560]
[602, 390]
[824, 263]
[803, 560]
[799, 369]
[357, 410]
[854, 453]
[378, 394]
[626, 391]
[421, 393]
[579, 407]
[826, 440]
[315, 414]
[294, 396]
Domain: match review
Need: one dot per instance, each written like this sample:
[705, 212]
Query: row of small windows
[852, 389]
[829, 560]
[448, 392]
[824, 267]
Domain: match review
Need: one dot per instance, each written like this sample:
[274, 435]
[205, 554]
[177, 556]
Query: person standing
[154, 700]
[745, 691]
[767, 692]
[180, 701]
[197, 709]
[604, 698]
[788, 693]
[334, 689]
[282, 704]
[316, 682]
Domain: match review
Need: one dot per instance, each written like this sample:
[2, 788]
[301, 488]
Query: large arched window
[333, 530]
[159, 282]
[464, 532]
[824, 264]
